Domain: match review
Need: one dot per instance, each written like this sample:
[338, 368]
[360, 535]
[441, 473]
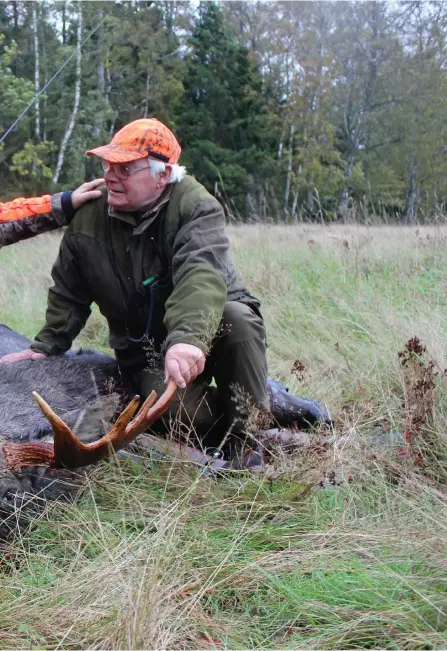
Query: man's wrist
[39, 347]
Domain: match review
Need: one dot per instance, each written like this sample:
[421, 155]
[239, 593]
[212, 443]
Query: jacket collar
[142, 219]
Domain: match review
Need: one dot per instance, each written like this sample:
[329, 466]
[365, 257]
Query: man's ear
[166, 175]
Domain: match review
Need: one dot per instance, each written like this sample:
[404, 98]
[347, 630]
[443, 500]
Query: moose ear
[68, 451]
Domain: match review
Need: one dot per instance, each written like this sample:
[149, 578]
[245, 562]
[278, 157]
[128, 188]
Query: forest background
[286, 111]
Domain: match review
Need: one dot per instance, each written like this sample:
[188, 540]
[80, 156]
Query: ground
[162, 556]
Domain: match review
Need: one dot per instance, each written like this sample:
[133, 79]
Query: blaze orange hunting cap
[141, 138]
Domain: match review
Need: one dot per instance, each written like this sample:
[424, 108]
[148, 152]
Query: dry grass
[161, 556]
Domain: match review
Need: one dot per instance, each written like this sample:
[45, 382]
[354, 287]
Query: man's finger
[185, 370]
[37, 356]
[196, 370]
[91, 185]
[92, 194]
[173, 371]
[201, 364]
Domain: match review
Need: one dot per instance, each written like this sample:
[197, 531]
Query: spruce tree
[223, 123]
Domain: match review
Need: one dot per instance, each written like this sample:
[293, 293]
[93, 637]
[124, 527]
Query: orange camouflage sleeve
[24, 218]
[21, 208]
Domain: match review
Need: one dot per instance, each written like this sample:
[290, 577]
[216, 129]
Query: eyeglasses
[120, 170]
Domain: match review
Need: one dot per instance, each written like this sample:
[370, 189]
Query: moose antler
[67, 451]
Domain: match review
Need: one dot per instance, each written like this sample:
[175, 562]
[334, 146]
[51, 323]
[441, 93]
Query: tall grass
[163, 556]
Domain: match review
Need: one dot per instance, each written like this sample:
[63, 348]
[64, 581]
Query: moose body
[78, 386]
[69, 383]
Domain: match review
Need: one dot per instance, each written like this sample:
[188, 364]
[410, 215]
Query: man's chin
[117, 200]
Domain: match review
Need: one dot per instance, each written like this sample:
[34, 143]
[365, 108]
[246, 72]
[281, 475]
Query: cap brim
[116, 154]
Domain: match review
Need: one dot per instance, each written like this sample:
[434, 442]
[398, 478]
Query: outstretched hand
[12, 358]
[85, 192]
[183, 363]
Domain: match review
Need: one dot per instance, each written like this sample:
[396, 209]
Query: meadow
[341, 547]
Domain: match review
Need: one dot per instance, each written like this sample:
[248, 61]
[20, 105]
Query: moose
[84, 390]
[48, 444]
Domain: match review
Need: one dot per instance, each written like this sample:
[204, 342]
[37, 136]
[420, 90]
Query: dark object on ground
[288, 410]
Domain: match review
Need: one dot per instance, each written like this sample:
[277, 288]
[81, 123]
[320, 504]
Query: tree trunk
[344, 195]
[411, 202]
[64, 23]
[148, 87]
[36, 71]
[281, 145]
[289, 169]
[65, 139]
[100, 79]
[108, 88]
[45, 79]
[15, 13]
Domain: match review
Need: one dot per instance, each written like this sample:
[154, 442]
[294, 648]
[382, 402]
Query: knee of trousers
[240, 323]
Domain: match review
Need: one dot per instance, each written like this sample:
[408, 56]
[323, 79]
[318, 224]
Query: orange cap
[141, 138]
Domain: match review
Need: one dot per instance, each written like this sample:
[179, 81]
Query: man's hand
[85, 192]
[184, 363]
[12, 358]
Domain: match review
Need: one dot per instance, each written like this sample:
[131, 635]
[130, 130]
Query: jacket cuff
[67, 205]
[179, 338]
[40, 347]
[57, 209]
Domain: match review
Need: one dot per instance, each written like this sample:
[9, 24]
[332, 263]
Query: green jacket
[164, 275]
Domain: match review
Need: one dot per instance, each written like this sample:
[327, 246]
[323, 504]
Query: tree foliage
[285, 110]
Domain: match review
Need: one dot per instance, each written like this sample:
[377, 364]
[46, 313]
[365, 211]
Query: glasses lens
[120, 170]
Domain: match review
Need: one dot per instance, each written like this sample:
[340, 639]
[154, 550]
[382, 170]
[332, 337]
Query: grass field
[164, 557]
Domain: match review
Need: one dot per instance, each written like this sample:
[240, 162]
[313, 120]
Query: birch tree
[77, 99]
[36, 72]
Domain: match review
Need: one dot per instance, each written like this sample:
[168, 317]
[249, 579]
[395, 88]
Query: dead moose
[48, 443]
[38, 447]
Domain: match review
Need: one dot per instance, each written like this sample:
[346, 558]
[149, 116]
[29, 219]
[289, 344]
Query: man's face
[138, 190]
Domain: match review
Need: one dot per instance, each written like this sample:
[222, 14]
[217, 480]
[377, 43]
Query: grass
[162, 556]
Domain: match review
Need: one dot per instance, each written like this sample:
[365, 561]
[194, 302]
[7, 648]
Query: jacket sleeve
[200, 266]
[68, 302]
[24, 218]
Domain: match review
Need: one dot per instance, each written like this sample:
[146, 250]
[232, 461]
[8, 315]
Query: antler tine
[122, 433]
[70, 452]
[151, 412]
[63, 436]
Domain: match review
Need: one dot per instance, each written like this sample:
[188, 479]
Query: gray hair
[177, 171]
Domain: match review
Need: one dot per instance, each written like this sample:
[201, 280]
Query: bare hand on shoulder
[85, 192]
[183, 363]
[12, 358]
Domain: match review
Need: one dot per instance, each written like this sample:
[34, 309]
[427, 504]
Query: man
[153, 254]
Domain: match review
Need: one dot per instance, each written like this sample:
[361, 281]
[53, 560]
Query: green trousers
[221, 398]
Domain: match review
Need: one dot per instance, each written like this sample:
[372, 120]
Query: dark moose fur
[77, 386]
[69, 383]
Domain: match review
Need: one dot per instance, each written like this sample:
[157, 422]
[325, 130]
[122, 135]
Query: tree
[77, 99]
[224, 118]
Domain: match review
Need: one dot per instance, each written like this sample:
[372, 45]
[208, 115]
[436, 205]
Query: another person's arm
[24, 218]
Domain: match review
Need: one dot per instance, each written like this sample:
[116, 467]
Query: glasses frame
[106, 166]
